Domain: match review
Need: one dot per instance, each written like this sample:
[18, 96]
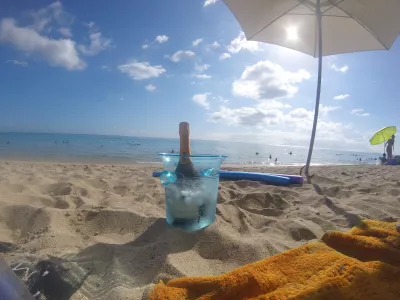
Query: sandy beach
[106, 223]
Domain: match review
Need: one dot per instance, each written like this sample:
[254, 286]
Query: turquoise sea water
[133, 150]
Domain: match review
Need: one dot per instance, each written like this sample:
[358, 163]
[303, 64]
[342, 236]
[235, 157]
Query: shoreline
[159, 164]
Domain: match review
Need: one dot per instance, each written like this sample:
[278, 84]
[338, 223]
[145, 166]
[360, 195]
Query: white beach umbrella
[319, 28]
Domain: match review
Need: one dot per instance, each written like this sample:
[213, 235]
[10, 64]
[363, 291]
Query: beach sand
[106, 224]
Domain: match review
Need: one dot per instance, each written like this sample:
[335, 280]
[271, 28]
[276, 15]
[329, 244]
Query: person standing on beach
[390, 147]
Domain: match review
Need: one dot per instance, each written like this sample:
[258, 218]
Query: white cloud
[265, 113]
[105, 68]
[145, 46]
[224, 56]
[209, 2]
[65, 31]
[240, 43]
[359, 112]
[300, 113]
[196, 42]
[161, 38]
[247, 116]
[266, 80]
[326, 109]
[18, 62]
[141, 70]
[215, 44]
[342, 69]
[61, 52]
[181, 55]
[272, 104]
[201, 99]
[90, 25]
[43, 17]
[341, 97]
[150, 88]
[97, 44]
[292, 128]
[220, 99]
[32, 39]
[203, 76]
[201, 68]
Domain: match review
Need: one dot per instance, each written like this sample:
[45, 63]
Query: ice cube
[167, 178]
[210, 172]
[185, 193]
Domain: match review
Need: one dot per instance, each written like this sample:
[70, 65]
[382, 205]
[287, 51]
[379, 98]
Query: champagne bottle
[185, 166]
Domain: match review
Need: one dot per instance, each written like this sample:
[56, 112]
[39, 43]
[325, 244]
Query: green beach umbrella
[382, 135]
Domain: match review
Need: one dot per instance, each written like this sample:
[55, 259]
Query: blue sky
[140, 67]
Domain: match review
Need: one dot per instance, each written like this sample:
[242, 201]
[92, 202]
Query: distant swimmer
[102, 146]
[276, 160]
[270, 156]
[172, 151]
[8, 142]
[360, 158]
[257, 153]
[290, 153]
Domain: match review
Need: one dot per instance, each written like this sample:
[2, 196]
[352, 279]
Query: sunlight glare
[292, 33]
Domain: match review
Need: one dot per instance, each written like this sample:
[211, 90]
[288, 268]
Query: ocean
[82, 148]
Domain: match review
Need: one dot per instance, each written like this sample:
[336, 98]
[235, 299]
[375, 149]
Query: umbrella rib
[333, 5]
[371, 33]
[277, 18]
[305, 3]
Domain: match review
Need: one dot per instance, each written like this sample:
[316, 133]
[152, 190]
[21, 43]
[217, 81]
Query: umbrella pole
[314, 129]
[384, 150]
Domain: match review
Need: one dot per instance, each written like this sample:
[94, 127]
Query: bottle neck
[184, 148]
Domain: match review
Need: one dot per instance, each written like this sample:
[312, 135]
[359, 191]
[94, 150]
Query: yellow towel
[363, 263]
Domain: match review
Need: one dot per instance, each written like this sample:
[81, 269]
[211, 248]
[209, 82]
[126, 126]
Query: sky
[138, 68]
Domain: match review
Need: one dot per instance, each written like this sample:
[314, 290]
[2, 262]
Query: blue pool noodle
[267, 178]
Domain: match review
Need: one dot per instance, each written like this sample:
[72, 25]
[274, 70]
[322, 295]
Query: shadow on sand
[131, 265]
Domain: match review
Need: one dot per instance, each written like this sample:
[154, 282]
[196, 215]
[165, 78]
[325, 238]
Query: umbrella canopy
[382, 135]
[318, 28]
[347, 25]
